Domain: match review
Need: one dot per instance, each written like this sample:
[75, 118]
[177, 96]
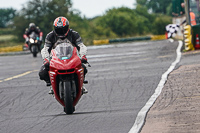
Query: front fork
[61, 89]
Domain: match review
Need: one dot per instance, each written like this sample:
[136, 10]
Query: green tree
[81, 25]
[145, 19]
[158, 26]
[116, 22]
[141, 2]
[156, 6]
[125, 22]
[157, 20]
[6, 16]
[121, 21]
[42, 13]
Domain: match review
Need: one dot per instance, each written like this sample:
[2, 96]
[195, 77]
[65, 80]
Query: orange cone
[166, 35]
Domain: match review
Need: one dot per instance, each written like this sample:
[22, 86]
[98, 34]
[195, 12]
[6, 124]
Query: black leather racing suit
[52, 40]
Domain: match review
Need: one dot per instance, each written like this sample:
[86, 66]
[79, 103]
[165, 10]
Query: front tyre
[34, 50]
[68, 97]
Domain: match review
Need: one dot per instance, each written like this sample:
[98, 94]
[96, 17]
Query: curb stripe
[107, 41]
[139, 122]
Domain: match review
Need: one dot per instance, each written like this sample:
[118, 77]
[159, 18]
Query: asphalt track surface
[121, 80]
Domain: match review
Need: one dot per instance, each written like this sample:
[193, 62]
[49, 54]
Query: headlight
[31, 40]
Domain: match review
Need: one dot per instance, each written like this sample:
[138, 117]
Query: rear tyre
[68, 97]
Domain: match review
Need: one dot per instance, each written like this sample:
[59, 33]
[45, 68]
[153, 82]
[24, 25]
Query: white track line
[139, 122]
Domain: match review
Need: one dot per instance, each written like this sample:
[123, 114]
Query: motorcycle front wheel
[34, 50]
[68, 97]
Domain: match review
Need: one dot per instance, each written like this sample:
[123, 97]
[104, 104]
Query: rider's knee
[43, 73]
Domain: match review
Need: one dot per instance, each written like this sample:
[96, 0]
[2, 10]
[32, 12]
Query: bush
[6, 31]
[159, 24]
[121, 21]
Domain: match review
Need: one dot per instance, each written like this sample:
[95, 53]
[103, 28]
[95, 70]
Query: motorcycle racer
[33, 28]
[61, 33]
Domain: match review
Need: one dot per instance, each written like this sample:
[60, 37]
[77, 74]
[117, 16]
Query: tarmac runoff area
[177, 109]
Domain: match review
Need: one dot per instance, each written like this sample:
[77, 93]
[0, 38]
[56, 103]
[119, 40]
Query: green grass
[6, 37]
[8, 41]
[6, 31]
[8, 44]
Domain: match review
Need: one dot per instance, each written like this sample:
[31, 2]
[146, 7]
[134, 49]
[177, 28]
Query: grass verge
[11, 49]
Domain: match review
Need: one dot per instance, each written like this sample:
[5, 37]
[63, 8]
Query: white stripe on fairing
[139, 122]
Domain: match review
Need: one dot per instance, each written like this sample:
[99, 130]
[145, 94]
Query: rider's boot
[51, 91]
[84, 90]
[48, 82]
[85, 82]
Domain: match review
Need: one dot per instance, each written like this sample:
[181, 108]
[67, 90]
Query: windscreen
[194, 11]
[34, 36]
[64, 51]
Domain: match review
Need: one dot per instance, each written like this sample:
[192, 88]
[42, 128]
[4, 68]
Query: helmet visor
[61, 31]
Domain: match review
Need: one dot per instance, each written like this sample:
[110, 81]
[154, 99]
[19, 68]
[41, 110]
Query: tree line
[149, 17]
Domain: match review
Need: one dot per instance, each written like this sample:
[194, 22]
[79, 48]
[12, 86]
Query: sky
[88, 8]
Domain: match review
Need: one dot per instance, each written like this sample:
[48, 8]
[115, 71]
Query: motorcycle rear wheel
[68, 98]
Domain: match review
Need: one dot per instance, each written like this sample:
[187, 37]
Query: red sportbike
[67, 75]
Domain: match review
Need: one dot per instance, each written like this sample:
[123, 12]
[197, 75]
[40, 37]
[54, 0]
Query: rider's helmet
[61, 26]
[32, 26]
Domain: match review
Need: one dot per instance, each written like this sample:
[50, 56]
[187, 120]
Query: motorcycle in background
[34, 44]
[67, 76]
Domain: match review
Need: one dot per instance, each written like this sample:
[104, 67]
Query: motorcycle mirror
[89, 64]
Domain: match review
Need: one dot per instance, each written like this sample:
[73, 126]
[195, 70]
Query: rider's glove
[84, 59]
[27, 39]
[46, 63]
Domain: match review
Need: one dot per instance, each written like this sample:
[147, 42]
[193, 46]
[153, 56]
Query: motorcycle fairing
[66, 63]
